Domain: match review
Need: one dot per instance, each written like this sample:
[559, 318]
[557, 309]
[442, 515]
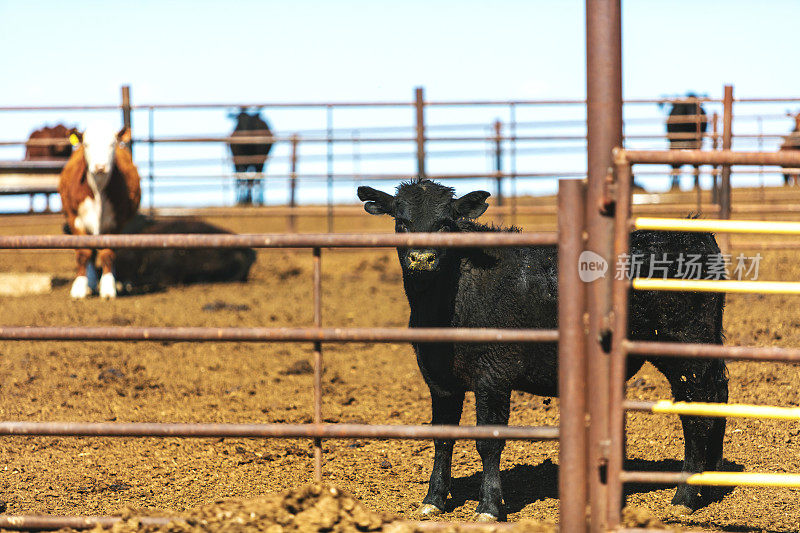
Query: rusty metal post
[329, 159]
[293, 186]
[727, 141]
[604, 132]
[617, 372]
[419, 100]
[126, 112]
[715, 169]
[317, 363]
[571, 359]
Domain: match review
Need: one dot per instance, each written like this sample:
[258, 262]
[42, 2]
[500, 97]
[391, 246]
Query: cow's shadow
[526, 484]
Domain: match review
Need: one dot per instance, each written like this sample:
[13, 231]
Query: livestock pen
[595, 215]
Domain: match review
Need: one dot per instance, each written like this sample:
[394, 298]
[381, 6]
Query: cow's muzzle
[423, 260]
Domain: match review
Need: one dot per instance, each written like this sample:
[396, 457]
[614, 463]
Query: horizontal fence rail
[718, 479]
[310, 334]
[284, 431]
[282, 240]
[53, 523]
[712, 351]
[786, 158]
[718, 226]
[720, 410]
[717, 285]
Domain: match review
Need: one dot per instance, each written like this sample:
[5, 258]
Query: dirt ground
[379, 383]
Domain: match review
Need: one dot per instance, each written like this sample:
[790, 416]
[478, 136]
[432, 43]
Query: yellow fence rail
[717, 285]
[718, 226]
[744, 479]
[726, 410]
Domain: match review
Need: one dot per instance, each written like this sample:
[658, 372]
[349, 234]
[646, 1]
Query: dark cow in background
[147, 270]
[59, 132]
[246, 156]
[792, 142]
[518, 288]
[686, 124]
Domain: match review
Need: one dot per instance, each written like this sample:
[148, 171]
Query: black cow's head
[423, 206]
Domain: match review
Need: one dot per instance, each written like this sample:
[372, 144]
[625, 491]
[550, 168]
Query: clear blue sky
[80, 52]
[56, 52]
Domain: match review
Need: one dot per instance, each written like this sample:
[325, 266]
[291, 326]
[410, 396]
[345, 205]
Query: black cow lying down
[145, 270]
[518, 288]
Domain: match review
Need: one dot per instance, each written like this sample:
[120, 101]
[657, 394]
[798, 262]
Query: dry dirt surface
[363, 383]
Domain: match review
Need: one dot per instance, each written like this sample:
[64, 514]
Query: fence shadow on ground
[526, 484]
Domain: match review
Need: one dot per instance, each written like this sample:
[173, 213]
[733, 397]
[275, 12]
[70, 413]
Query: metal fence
[621, 347]
[518, 146]
[317, 334]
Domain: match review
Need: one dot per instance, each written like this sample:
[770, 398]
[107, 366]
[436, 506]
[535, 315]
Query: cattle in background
[518, 288]
[686, 124]
[250, 155]
[146, 270]
[100, 193]
[792, 142]
[49, 152]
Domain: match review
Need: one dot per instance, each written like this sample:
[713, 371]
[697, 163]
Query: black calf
[518, 288]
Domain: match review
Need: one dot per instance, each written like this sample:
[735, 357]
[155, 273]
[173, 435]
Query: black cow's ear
[471, 205]
[377, 202]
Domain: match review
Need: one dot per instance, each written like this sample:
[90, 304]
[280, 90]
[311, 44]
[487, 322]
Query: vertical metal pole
[513, 132]
[571, 359]
[317, 363]
[329, 139]
[727, 142]
[419, 100]
[498, 159]
[715, 168]
[604, 132]
[126, 112]
[618, 366]
[150, 162]
[293, 187]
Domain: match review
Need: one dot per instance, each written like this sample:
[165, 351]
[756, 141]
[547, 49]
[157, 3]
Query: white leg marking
[80, 288]
[108, 286]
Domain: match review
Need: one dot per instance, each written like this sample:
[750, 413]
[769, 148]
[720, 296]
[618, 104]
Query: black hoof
[689, 497]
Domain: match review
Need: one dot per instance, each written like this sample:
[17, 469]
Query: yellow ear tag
[73, 139]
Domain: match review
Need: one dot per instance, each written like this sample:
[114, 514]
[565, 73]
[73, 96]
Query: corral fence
[316, 334]
[578, 440]
[530, 142]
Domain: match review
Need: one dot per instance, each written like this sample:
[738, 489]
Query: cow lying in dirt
[143, 270]
[518, 288]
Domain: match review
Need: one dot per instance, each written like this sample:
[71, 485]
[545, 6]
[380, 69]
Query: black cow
[146, 270]
[686, 124]
[518, 288]
[247, 156]
[792, 142]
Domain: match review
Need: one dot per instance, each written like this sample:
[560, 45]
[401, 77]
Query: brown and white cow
[100, 192]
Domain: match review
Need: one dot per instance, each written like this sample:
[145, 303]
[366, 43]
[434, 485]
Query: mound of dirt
[310, 508]
[635, 517]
